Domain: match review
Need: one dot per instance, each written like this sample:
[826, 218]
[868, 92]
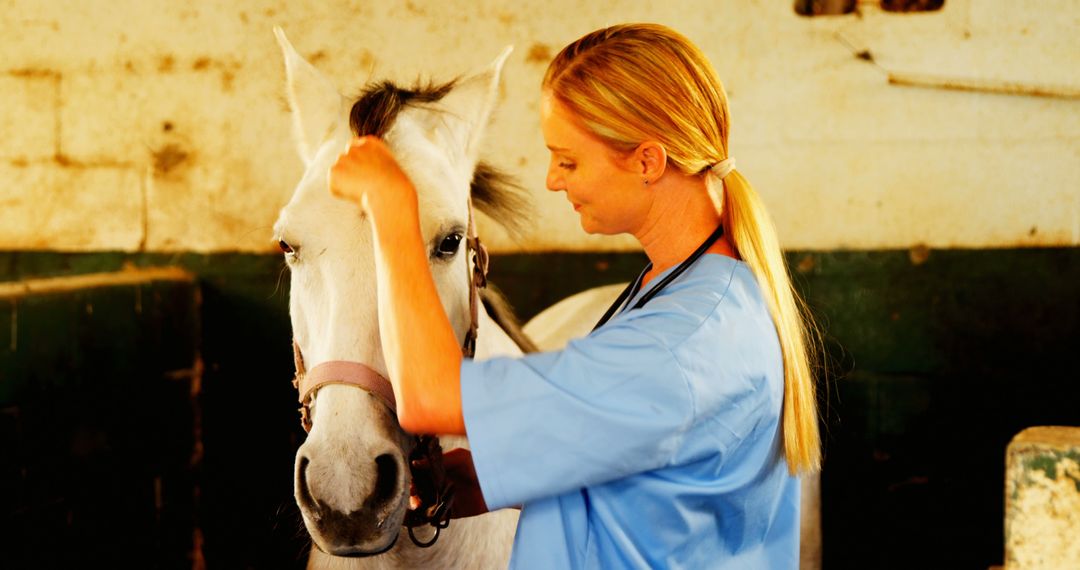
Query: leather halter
[308, 382]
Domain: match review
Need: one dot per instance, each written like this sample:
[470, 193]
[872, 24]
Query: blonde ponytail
[654, 74]
[748, 225]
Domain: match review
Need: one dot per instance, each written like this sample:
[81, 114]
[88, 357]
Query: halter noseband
[426, 447]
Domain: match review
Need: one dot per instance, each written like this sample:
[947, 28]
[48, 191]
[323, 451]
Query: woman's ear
[650, 160]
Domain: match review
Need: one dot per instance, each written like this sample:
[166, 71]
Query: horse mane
[495, 193]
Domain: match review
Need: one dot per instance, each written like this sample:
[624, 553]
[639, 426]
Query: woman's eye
[449, 245]
[285, 247]
[566, 165]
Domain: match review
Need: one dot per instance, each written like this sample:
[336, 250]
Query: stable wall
[160, 126]
[934, 232]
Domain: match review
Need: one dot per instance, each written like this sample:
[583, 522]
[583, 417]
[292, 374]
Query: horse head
[352, 472]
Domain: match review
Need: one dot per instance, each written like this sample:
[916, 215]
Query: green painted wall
[97, 426]
[934, 360]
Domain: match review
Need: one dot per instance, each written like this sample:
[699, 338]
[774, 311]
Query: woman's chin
[592, 228]
[589, 225]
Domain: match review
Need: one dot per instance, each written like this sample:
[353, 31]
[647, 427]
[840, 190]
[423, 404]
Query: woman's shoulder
[716, 287]
[715, 307]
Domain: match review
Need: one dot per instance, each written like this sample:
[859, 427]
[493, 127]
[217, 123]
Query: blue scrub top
[653, 442]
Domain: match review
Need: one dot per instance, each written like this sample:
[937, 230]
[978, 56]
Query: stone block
[28, 115]
[1042, 499]
[70, 207]
[209, 144]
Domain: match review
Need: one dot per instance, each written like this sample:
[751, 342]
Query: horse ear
[472, 101]
[314, 100]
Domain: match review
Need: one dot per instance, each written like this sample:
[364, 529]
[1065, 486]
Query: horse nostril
[302, 491]
[386, 480]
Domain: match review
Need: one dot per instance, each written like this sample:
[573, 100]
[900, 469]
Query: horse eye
[449, 245]
[285, 247]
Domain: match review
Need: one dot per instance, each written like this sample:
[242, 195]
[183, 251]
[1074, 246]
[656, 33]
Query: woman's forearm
[422, 353]
[422, 356]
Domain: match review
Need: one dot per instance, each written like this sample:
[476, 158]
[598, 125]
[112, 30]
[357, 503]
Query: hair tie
[723, 168]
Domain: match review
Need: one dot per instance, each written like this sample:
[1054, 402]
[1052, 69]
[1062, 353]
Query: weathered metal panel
[99, 389]
[936, 358]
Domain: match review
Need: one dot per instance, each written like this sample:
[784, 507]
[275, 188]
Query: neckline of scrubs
[659, 278]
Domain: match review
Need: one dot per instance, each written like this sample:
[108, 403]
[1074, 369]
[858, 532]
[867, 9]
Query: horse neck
[492, 340]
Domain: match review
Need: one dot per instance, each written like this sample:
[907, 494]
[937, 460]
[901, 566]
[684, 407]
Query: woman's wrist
[392, 211]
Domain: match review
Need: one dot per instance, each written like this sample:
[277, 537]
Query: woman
[670, 435]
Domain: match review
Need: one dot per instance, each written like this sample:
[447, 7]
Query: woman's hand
[367, 174]
[468, 500]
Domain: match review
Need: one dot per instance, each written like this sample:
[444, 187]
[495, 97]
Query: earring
[645, 182]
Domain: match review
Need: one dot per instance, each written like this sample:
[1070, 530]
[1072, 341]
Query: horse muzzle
[371, 529]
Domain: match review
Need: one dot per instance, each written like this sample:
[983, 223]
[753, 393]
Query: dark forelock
[494, 192]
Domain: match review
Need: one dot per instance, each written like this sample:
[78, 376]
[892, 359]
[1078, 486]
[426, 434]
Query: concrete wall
[150, 125]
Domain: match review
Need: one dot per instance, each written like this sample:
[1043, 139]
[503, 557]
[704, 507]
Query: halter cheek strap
[478, 281]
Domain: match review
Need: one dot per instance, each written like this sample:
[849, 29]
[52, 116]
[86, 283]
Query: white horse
[352, 479]
[352, 476]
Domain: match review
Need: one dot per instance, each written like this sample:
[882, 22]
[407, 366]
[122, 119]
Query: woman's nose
[554, 182]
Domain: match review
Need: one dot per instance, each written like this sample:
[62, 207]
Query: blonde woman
[671, 435]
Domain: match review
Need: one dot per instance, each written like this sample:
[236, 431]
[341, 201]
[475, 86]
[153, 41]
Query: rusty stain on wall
[367, 61]
[33, 72]
[919, 254]
[506, 18]
[65, 161]
[227, 77]
[539, 53]
[983, 85]
[168, 157]
[227, 69]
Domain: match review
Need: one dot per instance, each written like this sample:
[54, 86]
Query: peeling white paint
[1042, 499]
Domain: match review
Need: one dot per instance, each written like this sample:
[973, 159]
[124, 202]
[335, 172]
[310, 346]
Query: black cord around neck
[632, 289]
